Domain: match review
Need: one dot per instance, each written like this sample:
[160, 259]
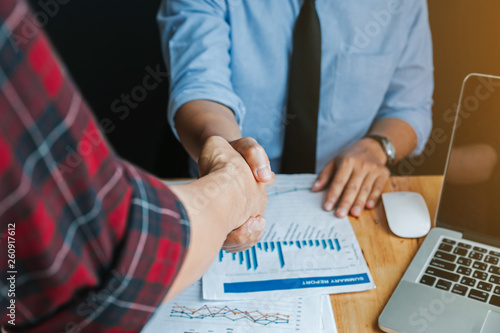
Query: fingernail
[261, 223]
[257, 224]
[329, 206]
[264, 172]
[356, 211]
[342, 212]
[316, 184]
[370, 204]
[252, 226]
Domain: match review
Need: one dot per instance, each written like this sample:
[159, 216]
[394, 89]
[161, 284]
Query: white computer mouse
[407, 214]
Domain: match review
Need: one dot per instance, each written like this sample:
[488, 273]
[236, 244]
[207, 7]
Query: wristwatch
[387, 146]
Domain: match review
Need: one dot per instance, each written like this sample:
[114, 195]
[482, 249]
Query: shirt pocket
[360, 85]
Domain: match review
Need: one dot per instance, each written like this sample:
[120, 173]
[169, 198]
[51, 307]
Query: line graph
[189, 312]
[232, 314]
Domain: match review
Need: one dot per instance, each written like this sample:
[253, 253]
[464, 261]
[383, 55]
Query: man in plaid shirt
[89, 243]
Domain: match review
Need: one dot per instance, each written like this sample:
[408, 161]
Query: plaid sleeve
[88, 242]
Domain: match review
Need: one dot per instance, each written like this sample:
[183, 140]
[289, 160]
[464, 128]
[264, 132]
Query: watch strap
[387, 147]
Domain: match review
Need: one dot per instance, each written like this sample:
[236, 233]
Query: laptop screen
[470, 198]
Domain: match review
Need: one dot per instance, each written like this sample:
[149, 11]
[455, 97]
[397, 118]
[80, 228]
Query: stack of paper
[278, 284]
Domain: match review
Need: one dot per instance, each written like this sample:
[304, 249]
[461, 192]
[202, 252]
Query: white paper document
[188, 312]
[305, 250]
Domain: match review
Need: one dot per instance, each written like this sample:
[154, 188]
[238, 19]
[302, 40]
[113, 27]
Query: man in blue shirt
[229, 64]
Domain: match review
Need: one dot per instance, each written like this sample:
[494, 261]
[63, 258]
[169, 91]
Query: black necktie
[299, 152]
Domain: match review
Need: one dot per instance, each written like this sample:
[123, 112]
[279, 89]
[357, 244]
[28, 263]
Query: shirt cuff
[420, 121]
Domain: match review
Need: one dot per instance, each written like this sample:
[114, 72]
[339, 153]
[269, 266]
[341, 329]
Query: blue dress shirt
[376, 64]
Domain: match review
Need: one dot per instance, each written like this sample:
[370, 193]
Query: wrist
[387, 147]
[207, 201]
[376, 150]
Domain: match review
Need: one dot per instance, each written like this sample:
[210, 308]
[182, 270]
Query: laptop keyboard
[465, 269]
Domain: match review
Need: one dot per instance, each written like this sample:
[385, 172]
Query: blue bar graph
[337, 244]
[254, 258]
[249, 258]
[280, 255]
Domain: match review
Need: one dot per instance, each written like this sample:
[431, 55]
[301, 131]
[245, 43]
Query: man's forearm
[198, 120]
[209, 226]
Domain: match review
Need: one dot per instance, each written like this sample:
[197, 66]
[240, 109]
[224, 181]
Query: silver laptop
[453, 283]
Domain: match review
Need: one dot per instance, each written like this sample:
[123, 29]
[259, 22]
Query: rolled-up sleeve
[196, 45]
[409, 96]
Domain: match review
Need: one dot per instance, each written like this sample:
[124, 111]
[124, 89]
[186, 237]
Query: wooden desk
[387, 256]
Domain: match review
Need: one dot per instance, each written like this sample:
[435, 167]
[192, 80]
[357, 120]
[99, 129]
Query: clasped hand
[247, 222]
[356, 178]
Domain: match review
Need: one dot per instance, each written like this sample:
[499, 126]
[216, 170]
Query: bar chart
[304, 250]
[249, 258]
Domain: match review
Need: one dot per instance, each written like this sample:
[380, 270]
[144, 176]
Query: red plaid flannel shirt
[88, 242]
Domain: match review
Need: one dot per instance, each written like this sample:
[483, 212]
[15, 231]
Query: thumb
[256, 158]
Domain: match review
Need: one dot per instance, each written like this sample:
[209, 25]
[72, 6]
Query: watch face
[388, 147]
[390, 150]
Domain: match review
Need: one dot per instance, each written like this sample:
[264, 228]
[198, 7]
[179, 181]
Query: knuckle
[348, 161]
[375, 193]
[365, 165]
[338, 181]
[365, 190]
[333, 194]
[353, 187]
[254, 151]
[249, 140]
[239, 238]
[359, 202]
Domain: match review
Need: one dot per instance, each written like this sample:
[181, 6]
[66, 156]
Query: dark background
[107, 46]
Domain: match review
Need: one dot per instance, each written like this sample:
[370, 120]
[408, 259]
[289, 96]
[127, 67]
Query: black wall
[109, 48]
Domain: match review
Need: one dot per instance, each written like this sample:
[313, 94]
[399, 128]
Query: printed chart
[230, 313]
[249, 257]
[188, 312]
[304, 250]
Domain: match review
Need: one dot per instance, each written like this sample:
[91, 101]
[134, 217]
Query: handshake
[231, 191]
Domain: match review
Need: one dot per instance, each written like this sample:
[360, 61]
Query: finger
[363, 194]
[246, 245]
[324, 176]
[351, 191]
[246, 235]
[377, 189]
[256, 158]
[339, 181]
[272, 181]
